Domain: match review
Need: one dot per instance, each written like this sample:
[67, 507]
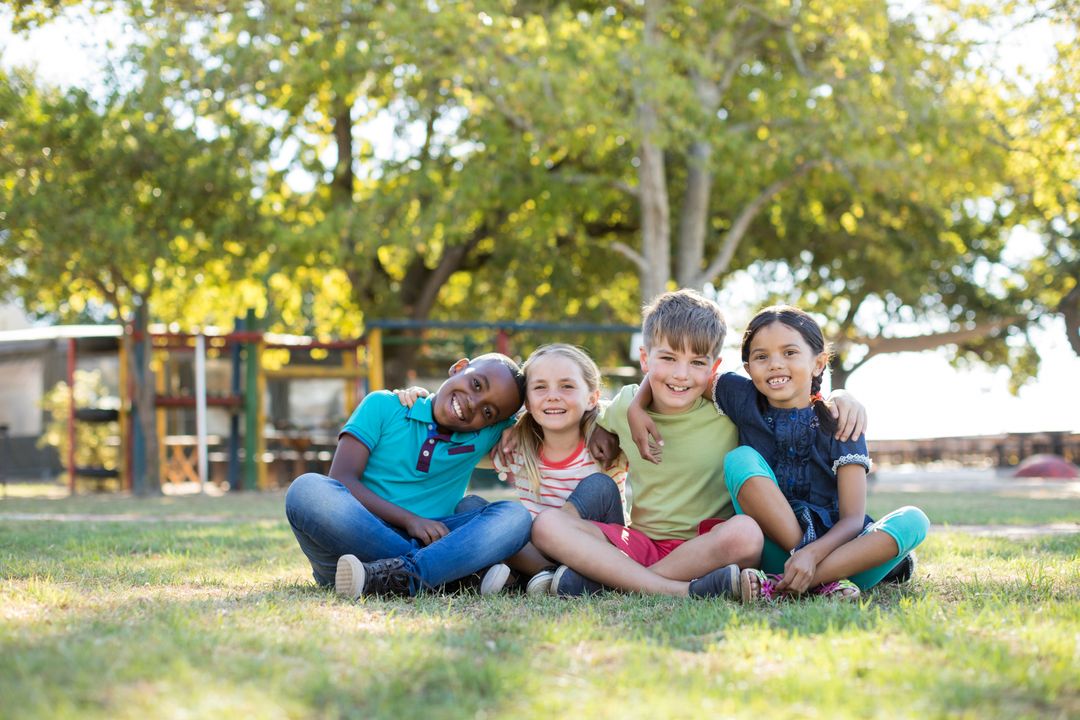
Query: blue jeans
[907, 526]
[329, 522]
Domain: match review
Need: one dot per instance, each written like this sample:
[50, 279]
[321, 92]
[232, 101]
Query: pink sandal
[842, 590]
[766, 586]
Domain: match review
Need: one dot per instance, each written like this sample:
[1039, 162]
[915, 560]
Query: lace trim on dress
[712, 392]
[852, 459]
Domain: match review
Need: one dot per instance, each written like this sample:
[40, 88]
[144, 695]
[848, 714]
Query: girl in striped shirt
[550, 455]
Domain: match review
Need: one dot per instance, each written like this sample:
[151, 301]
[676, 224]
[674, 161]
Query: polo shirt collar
[422, 411]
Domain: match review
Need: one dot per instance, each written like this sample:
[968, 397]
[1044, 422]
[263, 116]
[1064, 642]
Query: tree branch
[630, 253]
[738, 230]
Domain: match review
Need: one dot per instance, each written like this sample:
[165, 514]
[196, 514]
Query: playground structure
[248, 375]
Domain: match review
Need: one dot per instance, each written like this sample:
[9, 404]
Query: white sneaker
[494, 579]
[350, 576]
[540, 583]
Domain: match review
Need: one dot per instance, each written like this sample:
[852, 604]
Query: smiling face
[782, 365]
[477, 394]
[557, 394]
[677, 377]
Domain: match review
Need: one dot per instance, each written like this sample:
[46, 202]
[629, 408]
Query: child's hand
[850, 415]
[408, 396]
[798, 573]
[506, 447]
[646, 435]
[604, 447]
[425, 530]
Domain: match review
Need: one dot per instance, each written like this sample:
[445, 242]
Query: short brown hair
[687, 320]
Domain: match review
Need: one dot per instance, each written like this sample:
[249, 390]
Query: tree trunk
[147, 479]
[690, 252]
[655, 219]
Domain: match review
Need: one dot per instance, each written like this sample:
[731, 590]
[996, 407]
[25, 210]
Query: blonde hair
[528, 433]
[687, 320]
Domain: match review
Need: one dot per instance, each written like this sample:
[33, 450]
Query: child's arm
[800, 568]
[643, 430]
[347, 467]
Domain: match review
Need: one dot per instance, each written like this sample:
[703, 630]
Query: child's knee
[548, 525]
[908, 526]
[741, 539]
[741, 464]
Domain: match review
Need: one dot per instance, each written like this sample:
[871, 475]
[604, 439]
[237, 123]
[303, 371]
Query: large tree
[110, 203]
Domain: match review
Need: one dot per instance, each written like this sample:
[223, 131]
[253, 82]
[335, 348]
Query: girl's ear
[458, 366]
[594, 399]
[820, 363]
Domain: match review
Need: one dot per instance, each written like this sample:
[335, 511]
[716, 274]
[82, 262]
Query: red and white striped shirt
[557, 479]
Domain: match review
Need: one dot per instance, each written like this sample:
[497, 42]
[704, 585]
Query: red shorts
[641, 548]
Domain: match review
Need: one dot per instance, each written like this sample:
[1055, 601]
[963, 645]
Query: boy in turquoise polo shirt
[383, 521]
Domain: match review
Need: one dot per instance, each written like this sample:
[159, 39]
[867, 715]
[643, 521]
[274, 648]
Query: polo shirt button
[430, 427]
[426, 453]
[430, 442]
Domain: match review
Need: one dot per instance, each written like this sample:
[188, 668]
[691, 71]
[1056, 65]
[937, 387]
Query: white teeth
[457, 408]
[679, 388]
[777, 382]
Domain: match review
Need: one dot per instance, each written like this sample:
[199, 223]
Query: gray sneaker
[568, 583]
[381, 577]
[722, 582]
[540, 583]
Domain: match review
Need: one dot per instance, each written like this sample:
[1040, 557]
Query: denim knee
[470, 503]
[305, 494]
[908, 526]
[597, 497]
[741, 464]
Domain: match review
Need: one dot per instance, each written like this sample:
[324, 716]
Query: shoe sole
[349, 578]
[494, 579]
[540, 583]
[746, 587]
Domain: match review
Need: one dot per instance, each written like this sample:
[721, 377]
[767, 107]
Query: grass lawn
[203, 607]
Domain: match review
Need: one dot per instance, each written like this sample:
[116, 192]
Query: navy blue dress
[803, 456]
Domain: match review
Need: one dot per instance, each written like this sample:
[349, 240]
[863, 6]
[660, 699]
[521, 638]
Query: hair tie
[816, 398]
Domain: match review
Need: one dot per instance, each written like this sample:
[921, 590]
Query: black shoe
[568, 583]
[381, 577]
[722, 582]
[903, 571]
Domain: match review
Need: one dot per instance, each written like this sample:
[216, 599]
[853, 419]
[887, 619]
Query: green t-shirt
[672, 498]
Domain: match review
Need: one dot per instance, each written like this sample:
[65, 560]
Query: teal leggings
[907, 526]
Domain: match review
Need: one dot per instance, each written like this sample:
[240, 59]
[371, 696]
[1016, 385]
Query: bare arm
[642, 428]
[347, 467]
[800, 568]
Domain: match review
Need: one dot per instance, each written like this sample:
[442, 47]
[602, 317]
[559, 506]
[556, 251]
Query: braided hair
[810, 331]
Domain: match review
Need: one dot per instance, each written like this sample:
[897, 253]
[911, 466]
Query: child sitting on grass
[383, 522]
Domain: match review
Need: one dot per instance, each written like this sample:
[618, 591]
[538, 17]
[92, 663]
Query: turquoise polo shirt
[413, 464]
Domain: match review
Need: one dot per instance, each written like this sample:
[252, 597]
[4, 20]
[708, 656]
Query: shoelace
[391, 577]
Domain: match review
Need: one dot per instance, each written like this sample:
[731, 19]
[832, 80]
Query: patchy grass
[163, 616]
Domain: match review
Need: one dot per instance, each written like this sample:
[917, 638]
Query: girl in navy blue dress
[805, 488]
